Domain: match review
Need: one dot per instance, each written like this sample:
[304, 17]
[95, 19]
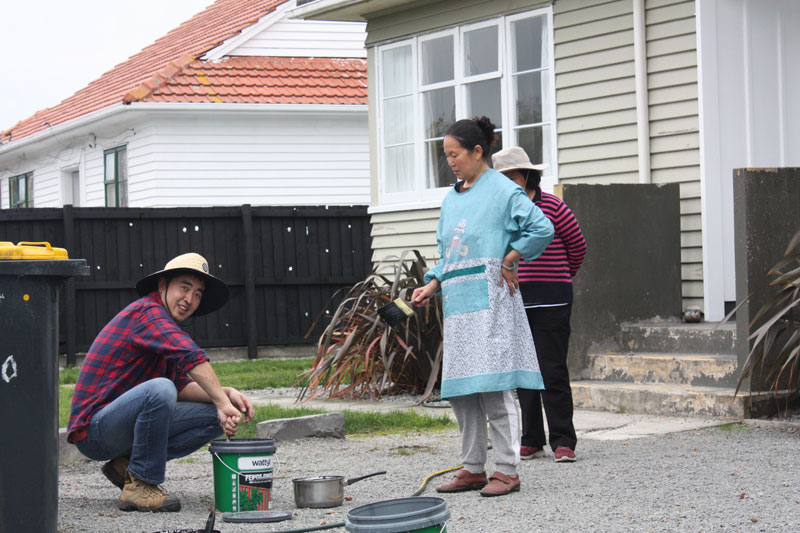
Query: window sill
[411, 206]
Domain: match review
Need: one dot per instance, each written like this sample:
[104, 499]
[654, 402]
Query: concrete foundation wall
[766, 217]
[632, 266]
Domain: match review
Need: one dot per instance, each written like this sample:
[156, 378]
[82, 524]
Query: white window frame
[120, 200]
[549, 175]
[396, 197]
[419, 149]
[26, 178]
[430, 197]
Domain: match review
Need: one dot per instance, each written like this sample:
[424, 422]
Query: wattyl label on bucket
[255, 463]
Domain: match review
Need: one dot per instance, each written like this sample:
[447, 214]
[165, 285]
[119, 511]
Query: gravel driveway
[734, 478]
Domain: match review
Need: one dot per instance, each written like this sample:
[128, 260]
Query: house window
[500, 68]
[20, 190]
[116, 176]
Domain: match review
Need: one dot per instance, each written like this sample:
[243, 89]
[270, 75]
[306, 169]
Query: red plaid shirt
[142, 342]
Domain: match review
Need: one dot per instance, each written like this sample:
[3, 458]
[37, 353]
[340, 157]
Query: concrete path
[593, 425]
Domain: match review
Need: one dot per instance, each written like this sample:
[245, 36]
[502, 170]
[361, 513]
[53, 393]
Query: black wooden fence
[282, 264]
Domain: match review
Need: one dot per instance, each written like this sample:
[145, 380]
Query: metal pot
[323, 491]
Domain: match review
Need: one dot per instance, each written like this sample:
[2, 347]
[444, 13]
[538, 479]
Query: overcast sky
[52, 48]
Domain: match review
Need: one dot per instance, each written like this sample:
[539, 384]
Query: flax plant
[360, 356]
[776, 342]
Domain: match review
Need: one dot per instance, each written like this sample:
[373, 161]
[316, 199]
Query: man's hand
[241, 402]
[229, 402]
[229, 417]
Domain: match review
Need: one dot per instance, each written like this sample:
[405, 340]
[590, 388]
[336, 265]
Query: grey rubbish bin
[29, 389]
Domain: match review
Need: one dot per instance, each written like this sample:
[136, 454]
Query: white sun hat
[513, 158]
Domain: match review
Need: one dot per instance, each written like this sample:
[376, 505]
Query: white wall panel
[305, 38]
[750, 70]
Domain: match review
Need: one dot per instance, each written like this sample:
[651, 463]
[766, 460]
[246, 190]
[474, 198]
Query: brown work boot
[140, 496]
[500, 484]
[115, 469]
[464, 481]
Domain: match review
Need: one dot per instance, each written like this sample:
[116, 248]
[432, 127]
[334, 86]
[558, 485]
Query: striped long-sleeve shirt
[547, 280]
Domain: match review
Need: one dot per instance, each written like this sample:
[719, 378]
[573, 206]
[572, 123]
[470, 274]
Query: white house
[604, 91]
[237, 105]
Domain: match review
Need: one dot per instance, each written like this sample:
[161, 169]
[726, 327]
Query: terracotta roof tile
[263, 80]
[153, 66]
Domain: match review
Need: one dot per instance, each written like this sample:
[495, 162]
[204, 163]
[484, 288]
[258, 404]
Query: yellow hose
[439, 473]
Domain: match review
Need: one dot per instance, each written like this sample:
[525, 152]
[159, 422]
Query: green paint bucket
[242, 474]
[418, 515]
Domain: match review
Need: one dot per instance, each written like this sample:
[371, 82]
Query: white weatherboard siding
[48, 172]
[596, 106]
[257, 159]
[394, 232]
[188, 160]
[674, 125]
[595, 91]
[304, 38]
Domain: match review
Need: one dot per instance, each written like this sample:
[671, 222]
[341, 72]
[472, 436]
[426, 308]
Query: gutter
[247, 108]
[642, 101]
[87, 122]
[61, 128]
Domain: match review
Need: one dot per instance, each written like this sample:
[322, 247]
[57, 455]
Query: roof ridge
[158, 79]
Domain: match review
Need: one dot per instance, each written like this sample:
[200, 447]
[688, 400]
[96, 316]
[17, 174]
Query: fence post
[249, 283]
[69, 289]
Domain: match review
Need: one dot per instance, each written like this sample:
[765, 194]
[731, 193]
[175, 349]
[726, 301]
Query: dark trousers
[550, 328]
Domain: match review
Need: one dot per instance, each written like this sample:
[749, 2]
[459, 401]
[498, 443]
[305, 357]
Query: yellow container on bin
[31, 250]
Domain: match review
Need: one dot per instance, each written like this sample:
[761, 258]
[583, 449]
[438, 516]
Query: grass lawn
[279, 373]
[355, 422]
[244, 375]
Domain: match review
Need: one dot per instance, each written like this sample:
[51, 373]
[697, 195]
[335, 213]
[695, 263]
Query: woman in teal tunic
[487, 224]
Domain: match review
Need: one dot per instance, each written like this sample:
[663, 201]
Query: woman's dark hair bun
[487, 128]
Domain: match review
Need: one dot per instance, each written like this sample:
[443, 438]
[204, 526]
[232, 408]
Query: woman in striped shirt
[546, 286]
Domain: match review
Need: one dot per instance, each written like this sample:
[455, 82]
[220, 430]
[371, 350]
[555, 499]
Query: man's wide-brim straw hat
[513, 158]
[215, 294]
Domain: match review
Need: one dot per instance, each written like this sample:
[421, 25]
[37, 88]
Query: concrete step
[676, 337]
[659, 398]
[678, 368]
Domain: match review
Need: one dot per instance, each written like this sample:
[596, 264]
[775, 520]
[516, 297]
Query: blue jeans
[149, 424]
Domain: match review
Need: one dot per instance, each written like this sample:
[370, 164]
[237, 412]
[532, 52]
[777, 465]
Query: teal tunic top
[487, 340]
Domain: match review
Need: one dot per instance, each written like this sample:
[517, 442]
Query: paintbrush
[395, 312]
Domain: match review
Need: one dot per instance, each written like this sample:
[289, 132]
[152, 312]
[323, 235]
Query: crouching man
[146, 392]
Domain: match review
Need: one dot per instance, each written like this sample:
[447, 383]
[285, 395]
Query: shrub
[359, 355]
